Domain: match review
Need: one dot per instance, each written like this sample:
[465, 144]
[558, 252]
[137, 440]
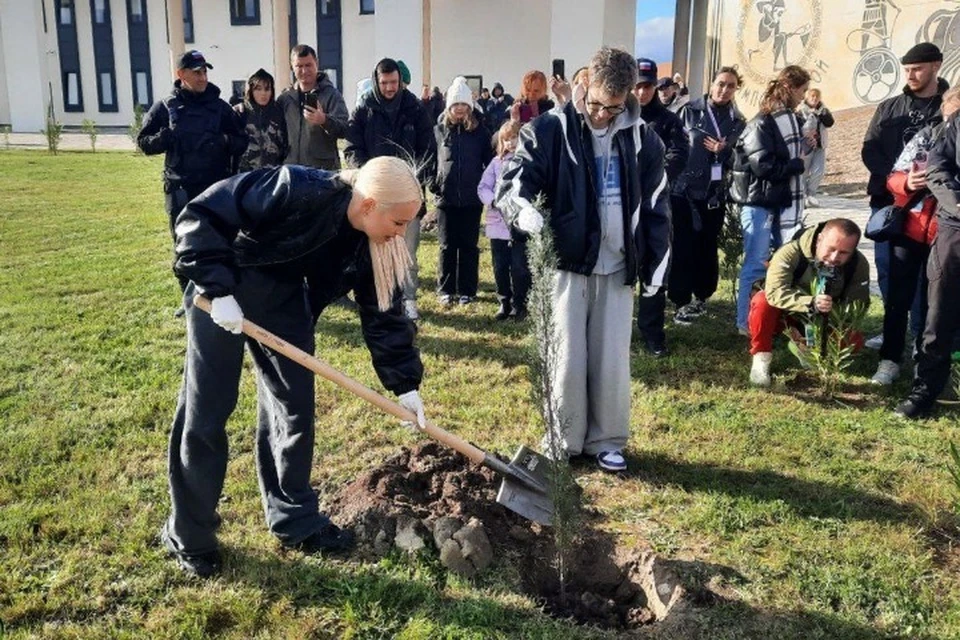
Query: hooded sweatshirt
[314, 146]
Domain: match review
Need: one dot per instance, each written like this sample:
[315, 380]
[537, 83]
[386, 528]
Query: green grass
[815, 518]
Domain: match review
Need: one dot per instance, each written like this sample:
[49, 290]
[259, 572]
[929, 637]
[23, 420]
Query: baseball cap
[665, 82]
[647, 70]
[193, 59]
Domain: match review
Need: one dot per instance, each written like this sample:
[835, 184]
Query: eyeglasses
[611, 109]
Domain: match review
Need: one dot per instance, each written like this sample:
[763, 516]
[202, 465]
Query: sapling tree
[53, 132]
[134, 129]
[543, 360]
[90, 128]
[730, 244]
[825, 346]
[6, 130]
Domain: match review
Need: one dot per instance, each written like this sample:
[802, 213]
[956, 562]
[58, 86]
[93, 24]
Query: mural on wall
[853, 52]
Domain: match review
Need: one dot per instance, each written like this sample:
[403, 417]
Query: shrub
[53, 132]
[90, 128]
[134, 129]
[6, 130]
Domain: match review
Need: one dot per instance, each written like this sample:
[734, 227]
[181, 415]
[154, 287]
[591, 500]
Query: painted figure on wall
[943, 29]
[876, 75]
[771, 34]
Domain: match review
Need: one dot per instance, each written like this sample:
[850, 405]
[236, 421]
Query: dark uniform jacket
[668, 126]
[555, 160]
[291, 221]
[894, 123]
[199, 134]
[943, 174]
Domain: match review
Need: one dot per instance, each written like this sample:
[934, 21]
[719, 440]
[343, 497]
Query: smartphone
[312, 100]
[558, 69]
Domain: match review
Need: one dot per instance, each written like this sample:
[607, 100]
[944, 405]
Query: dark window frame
[72, 5]
[138, 41]
[67, 107]
[69, 54]
[188, 35]
[371, 7]
[238, 20]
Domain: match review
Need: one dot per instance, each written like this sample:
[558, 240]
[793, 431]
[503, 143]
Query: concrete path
[857, 210]
[72, 141]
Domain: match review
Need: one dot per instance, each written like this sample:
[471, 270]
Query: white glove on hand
[649, 291]
[226, 312]
[412, 402]
[530, 221]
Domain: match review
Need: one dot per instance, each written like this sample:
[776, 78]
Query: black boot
[504, 311]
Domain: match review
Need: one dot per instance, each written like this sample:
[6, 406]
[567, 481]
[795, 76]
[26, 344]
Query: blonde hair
[470, 124]
[385, 179]
[507, 131]
[388, 181]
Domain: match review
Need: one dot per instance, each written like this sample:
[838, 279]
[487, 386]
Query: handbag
[886, 223]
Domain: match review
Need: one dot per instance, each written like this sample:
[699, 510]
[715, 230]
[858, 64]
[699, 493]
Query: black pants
[502, 256]
[695, 269]
[907, 259]
[458, 229]
[943, 315]
[650, 317]
[520, 271]
[175, 198]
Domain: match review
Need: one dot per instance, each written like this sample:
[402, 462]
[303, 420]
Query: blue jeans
[759, 238]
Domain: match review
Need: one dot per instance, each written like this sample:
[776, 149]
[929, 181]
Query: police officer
[198, 132]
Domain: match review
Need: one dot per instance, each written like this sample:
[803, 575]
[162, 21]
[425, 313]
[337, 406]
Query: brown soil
[429, 482]
[846, 174]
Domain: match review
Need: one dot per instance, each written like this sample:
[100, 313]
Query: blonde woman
[463, 151]
[259, 245]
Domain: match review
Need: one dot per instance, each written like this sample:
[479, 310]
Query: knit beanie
[923, 52]
[459, 91]
[404, 72]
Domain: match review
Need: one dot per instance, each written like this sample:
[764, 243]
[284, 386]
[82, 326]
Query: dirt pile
[430, 498]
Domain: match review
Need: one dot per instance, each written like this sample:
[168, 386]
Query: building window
[106, 91]
[100, 11]
[136, 11]
[244, 12]
[366, 7]
[65, 15]
[188, 21]
[73, 90]
[142, 88]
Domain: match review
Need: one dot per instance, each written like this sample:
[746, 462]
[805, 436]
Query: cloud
[654, 39]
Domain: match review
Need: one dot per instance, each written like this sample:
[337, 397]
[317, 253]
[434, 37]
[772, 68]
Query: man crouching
[827, 254]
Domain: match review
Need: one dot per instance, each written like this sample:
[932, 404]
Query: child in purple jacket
[510, 269]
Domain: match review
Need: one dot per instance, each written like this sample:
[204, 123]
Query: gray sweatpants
[594, 320]
[284, 440]
[412, 238]
[816, 166]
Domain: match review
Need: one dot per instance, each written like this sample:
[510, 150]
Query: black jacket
[461, 158]
[555, 159]
[372, 132]
[497, 109]
[266, 130]
[895, 121]
[200, 135]
[762, 165]
[287, 219]
[694, 182]
[668, 126]
[943, 173]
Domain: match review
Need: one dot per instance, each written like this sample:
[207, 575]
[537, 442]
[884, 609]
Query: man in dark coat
[391, 121]
[198, 132]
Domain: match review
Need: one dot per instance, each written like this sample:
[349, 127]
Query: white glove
[412, 402]
[226, 312]
[649, 291]
[530, 221]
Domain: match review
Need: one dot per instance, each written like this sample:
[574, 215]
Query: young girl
[463, 150]
[510, 270]
[263, 120]
[816, 120]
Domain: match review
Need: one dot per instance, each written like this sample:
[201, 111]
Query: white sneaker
[875, 342]
[760, 371]
[887, 372]
[410, 309]
[812, 202]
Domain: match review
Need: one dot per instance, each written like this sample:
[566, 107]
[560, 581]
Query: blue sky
[654, 37]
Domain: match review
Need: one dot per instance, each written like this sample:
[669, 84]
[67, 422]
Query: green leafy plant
[134, 129]
[6, 130]
[89, 127]
[953, 468]
[53, 132]
[825, 346]
[544, 358]
[730, 244]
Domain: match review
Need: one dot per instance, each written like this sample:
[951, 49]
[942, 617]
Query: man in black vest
[198, 132]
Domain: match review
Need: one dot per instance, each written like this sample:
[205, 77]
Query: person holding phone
[315, 113]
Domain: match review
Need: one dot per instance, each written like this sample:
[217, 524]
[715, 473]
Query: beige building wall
[852, 47]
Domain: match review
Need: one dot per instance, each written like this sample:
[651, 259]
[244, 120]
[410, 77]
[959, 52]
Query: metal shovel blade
[525, 487]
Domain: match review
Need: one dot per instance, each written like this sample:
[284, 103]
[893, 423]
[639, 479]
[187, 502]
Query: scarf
[791, 216]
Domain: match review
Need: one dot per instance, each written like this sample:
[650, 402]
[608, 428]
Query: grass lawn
[813, 517]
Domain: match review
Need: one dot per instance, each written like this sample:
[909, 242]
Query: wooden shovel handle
[321, 368]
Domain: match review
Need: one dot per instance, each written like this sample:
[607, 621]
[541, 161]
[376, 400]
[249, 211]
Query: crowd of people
[631, 174]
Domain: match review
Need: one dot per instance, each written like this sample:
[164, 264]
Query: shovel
[525, 487]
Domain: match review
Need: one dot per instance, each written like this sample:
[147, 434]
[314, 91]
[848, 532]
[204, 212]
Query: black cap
[923, 52]
[647, 70]
[665, 82]
[193, 59]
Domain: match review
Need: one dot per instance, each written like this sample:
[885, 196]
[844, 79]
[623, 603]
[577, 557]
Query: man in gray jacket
[315, 113]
